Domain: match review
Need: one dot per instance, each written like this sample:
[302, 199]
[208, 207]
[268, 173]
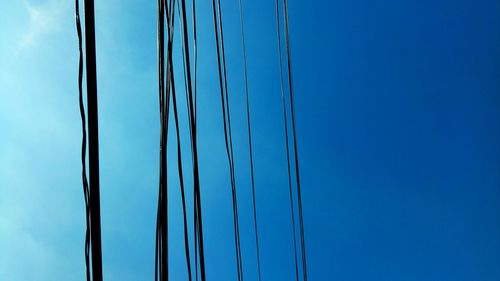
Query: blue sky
[398, 119]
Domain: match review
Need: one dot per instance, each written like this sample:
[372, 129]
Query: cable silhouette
[217, 15]
[167, 94]
[195, 221]
[194, 148]
[183, 50]
[181, 179]
[161, 251]
[179, 155]
[84, 140]
[295, 149]
[296, 158]
[195, 52]
[90, 185]
[249, 137]
[285, 122]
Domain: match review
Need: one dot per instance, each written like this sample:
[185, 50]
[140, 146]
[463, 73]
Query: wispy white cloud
[43, 19]
[39, 151]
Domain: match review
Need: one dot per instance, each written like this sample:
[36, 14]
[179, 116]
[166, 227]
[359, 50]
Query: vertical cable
[161, 257]
[227, 127]
[170, 19]
[297, 175]
[195, 52]
[286, 140]
[250, 138]
[84, 140]
[195, 208]
[194, 148]
[181, 180]
[94, 200]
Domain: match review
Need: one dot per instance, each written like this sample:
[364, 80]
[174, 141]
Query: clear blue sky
[398, 119]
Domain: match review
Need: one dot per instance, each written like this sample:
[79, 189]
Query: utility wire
[250, 138]
[217, 15]
[195, 208]
[84, 139]
[194, 149]
[286, 141]
[161, 252]
[91, 187]
[181, 179]
[179, 150]
[195, 211]
[294, 135]
[297, 174]
[195, 52]
[229, 133]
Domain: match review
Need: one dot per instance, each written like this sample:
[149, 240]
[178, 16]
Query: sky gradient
[398, 122]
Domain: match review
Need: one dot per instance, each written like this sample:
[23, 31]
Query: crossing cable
[282, 84]
[91, 188]
[84, 140]
[297, 174]
[161, 252]
[217, 15]
[189, 118]
[170, 19]
[195, 211]
[250, 138]
[229, 134]
[195, 52]
[194, 149]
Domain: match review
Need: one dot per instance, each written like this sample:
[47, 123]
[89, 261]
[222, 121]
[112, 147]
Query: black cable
[286, 140]
[195, 51]
[93, 142]
[84, 139]
[164, 97]
[195, 208]
[195, 211]
[250, 138]
[181, 179]
[227, 128]
[160, 93]
[179, 153]
[161, 252]
[228, 112]
[185, 71]
[297, 175]
[194, 149]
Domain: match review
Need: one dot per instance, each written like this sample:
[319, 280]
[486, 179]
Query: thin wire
[93, 142]
[250, 138]
[297, 175]
[195, 51]
[161, 251]
[185, 69]
[181, 179]
[194, 149]
[179, 150]
[227, 128]
[286, 140]
[195, 207]
[84, 139]
[228, 111]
